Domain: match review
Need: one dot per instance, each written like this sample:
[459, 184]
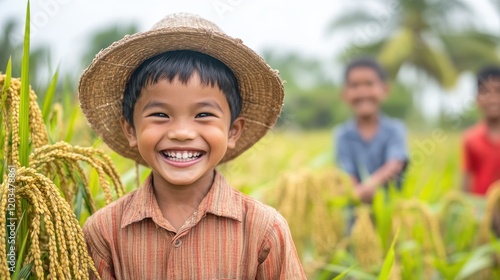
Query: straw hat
[103, 83]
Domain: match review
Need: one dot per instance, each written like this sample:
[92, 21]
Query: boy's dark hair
[486, 73]
[181, 64]
[368, 63]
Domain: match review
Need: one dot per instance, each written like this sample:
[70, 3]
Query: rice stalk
[492, 210]
[306, 199]
[366, 244]
[56, 247]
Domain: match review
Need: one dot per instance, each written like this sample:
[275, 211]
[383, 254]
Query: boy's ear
[129, 132]
[235, 132]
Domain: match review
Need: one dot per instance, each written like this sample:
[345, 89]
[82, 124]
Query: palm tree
[105, 37]
[437, 37]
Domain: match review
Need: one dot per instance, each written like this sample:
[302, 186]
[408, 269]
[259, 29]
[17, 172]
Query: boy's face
[363, 91]
[182, 130]
[488, 98]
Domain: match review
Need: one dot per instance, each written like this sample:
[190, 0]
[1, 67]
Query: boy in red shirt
[481, 143]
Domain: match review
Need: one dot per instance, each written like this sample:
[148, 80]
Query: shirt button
[178, 243]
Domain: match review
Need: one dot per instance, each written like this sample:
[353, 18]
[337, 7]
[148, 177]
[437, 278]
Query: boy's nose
[181, 132]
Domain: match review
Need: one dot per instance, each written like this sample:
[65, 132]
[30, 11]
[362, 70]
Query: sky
[280, 24]
[284, 25]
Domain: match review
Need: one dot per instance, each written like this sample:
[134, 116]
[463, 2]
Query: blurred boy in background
[481, 143]
[370, 147]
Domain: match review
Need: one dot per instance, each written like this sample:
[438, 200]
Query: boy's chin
[184, 177]
[492, 114]
[493, 117]
[366, 114]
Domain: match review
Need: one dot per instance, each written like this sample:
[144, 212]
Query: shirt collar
[353, 128]
[221, 200]
[482, 131]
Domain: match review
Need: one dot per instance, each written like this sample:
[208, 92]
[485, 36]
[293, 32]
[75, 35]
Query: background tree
[438, 38]
[104, 38]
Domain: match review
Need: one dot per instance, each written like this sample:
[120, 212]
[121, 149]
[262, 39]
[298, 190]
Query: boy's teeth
[182, 155]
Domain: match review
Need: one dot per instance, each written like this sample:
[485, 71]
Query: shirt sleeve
[278, 257]
[98, 251]
[397, 146]
[343, 158]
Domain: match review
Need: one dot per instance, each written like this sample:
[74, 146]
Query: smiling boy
[181, 99]
[371, 147]
[481, 143]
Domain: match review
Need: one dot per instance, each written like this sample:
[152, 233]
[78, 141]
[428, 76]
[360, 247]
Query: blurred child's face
[488, 98]
[363, 91]
[182, 130]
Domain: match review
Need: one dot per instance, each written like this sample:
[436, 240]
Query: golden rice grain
[57, 247]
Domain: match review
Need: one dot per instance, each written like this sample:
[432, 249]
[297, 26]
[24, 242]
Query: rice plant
[41, 185]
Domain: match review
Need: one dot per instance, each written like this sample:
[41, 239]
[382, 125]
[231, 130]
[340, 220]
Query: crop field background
[444, 233]
[56, 171]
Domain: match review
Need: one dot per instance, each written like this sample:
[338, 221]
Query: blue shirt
[360, 158]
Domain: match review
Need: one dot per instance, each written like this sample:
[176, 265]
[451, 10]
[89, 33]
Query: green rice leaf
[22, 233]
[49, 96]
[389, 260]
[357, 274]
[25, 272]
[82, 201]
[481, 258]
[343, 274]
[78, 203]
[71, 125]
[24, 149]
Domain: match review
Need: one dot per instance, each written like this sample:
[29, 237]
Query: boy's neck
[178, 203]
[493, 127]
[367, 121]
[367, 126]
[493, 124]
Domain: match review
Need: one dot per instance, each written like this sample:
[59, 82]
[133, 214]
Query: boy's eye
[161, 115]
[204, 115]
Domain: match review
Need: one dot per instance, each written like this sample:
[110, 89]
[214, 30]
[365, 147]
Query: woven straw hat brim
[103, 83]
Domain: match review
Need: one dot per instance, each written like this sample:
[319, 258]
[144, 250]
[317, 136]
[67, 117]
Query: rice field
[62, 173]
[443, 233]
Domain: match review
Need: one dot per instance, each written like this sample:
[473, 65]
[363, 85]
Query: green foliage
[318, 107]
[104, 38]
[49, 96]
[421, 34]
[24, 117]
[24, 146]
[460, 121]
[313, 101]
[389, 260]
